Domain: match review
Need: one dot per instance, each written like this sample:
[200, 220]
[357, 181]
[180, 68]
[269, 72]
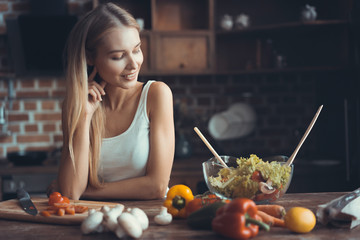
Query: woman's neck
[116, 97]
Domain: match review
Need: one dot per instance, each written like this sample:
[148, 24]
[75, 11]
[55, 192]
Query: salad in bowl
[260, 180]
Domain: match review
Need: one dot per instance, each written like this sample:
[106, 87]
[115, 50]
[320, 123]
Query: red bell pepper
[238, 219]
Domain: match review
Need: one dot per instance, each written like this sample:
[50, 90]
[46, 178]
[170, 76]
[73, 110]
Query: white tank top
[126, 155]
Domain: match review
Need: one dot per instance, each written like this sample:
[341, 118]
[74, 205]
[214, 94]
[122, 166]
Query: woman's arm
[73, 181]
[73, 174]
[162, 144]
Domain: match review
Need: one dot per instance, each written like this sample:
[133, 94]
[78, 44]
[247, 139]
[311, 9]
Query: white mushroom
[92, 222]
[130, 225]
[163, 218]
[110, 217]
[119, 232]
[266, 187]
[91, 211]
[141, 217]
[104, 209]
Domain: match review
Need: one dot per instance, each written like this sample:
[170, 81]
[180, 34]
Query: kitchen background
[284, 100]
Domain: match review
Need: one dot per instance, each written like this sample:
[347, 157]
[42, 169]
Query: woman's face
[119, 57]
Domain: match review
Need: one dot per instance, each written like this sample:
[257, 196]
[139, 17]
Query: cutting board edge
[20, 215]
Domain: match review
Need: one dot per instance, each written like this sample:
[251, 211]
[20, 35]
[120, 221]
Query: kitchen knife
[26, 202]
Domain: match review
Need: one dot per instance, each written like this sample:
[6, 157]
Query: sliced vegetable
[70, 210]
[80, 208]
[45, 213]
[56, 197]
[61, 212]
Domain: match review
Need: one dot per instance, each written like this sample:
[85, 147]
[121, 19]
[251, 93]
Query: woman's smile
[130, 76]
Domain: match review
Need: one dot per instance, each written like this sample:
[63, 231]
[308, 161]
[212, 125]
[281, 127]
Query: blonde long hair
[81, 45]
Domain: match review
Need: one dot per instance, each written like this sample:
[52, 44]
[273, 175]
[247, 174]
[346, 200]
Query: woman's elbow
[70, 191]
[159, 191]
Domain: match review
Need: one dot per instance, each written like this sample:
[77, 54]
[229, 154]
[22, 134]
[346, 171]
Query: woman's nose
[132, 64]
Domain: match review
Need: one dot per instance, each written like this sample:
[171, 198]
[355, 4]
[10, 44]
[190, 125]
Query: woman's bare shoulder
[159, 91]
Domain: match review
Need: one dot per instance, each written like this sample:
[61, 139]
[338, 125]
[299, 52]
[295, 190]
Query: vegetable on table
[238, 219]
[130, 225]
[274, 210]
[202, 218]
[131, 222]
[110, 217]
[176, 200]
[56, 197]
[271, 220]
[163, 218]
[60, 205]
[92, 222]
[300, 220]
[200, 201]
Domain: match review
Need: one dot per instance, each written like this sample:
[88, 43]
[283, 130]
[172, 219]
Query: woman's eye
[117, 57]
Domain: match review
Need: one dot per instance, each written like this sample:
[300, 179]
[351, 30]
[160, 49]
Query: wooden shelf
[286, 26]
[284, 70]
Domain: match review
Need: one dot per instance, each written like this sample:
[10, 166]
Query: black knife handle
[21, 193]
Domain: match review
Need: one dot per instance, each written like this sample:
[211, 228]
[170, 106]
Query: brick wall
[34, 115]
[284, 105]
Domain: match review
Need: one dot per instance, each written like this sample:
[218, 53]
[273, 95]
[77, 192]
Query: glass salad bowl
[262, 180]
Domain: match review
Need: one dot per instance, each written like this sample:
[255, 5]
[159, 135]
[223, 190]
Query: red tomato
[66, 199]
[55, 197]
[53, 194]
[256, 176]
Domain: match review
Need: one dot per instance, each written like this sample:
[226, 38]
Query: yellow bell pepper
[176, 200]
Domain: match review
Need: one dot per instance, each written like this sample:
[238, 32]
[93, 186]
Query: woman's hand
[96, 90]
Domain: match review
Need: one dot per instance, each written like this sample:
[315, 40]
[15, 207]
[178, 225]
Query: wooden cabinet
[193, 57]
[277, 39]
[185, 37]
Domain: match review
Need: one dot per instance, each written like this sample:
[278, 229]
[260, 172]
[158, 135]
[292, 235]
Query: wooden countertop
[178, 229]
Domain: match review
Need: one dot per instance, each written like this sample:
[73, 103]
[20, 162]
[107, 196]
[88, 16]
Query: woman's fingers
[95, 94]
[96, 89]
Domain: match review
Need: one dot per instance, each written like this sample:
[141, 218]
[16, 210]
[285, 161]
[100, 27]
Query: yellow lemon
[300, 220]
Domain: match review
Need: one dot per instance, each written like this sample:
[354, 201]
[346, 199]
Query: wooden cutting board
[12, 210]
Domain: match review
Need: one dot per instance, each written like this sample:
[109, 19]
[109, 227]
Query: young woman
[118, 132]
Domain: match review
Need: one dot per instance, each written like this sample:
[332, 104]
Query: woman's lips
[129, 76]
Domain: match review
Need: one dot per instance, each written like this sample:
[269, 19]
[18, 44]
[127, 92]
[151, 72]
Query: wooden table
[178, 229]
